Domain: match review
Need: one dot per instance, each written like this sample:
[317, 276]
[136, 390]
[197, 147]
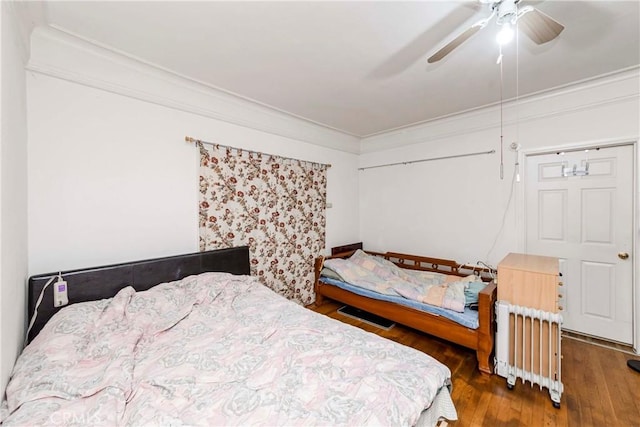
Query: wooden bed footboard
[481, 340]
[486, 329]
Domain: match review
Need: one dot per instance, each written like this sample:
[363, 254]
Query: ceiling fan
[538, 26]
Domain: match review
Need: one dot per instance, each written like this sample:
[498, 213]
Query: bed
[195, 340]
[478, 336]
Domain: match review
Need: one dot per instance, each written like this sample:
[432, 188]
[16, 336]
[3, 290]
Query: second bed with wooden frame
[480, 339]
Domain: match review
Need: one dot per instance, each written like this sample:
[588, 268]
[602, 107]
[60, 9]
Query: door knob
[623, 255]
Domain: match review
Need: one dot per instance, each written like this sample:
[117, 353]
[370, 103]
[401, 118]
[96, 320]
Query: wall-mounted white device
[60, 297]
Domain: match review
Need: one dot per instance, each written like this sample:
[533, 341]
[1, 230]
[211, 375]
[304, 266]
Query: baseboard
[600, 342]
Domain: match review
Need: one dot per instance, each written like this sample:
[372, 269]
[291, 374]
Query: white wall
[454, 208]
[442, 208]
[13, 193]
[110, 176]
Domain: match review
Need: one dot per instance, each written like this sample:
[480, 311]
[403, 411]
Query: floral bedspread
[214, 349]
[382, 276]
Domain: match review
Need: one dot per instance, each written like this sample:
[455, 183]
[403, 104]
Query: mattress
[468, 318]
[217, 349]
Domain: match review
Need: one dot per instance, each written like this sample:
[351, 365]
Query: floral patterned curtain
[274, 205]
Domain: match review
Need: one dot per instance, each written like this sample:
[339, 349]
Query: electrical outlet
[60, 297]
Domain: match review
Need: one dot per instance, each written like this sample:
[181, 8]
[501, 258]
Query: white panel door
[587, 222]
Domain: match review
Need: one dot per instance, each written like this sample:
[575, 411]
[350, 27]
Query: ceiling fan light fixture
[539, 27]
[505, 35]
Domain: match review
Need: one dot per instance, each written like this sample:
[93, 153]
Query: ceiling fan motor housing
[507, 11]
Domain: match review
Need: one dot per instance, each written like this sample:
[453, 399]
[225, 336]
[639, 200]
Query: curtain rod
[578, 149]
[193, 140]
[428, 160]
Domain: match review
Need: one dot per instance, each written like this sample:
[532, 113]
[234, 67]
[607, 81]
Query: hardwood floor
[599, 388]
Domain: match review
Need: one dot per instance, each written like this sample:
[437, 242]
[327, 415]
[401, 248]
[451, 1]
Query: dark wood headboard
[352, 247]
[97, 283]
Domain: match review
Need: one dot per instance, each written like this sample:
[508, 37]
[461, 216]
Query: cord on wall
[38, 302]
[504, 215]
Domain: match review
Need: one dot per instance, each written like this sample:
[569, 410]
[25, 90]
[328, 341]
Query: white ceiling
[358, 67]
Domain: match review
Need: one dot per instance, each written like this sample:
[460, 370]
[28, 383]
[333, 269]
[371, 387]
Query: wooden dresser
[530, 281]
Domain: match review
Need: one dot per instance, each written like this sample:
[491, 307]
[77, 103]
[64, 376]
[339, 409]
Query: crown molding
[613, 88]
[65, 56]
[26, 15]
[59, 54]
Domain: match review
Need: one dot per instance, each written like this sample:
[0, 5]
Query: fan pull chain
[501, 120]
[517, 104]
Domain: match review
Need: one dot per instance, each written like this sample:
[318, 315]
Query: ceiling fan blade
[539, 27]
[461, 38]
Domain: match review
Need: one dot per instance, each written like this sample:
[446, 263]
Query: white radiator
[528, 347]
